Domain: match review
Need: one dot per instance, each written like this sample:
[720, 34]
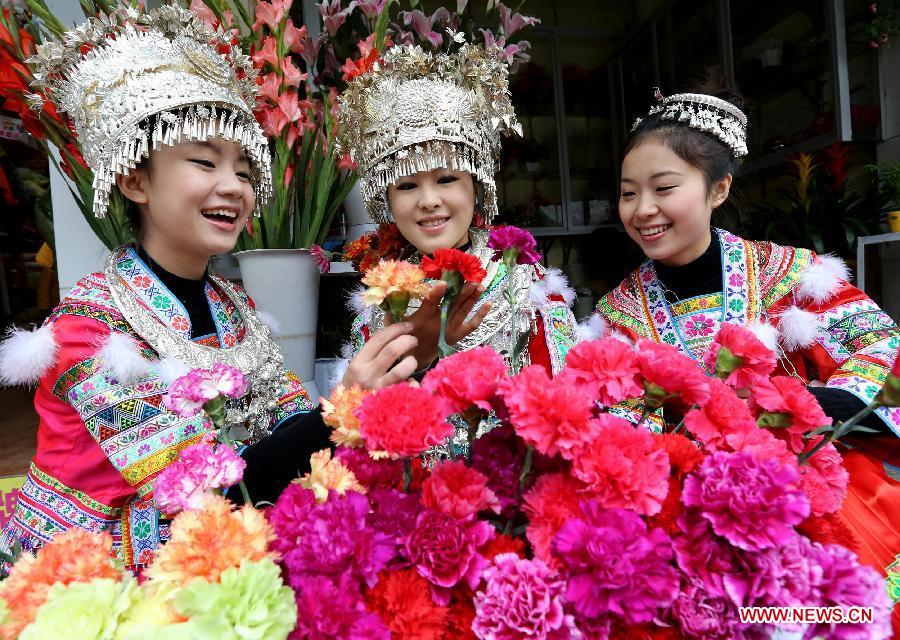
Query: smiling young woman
[179, 140]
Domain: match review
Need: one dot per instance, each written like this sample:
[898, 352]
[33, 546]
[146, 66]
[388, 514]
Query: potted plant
[889, 181]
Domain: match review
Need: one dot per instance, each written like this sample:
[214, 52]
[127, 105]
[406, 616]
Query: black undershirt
[703, 276]
[282, 456]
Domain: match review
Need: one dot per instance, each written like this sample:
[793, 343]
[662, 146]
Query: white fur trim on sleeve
[337, 374]
[798, 328]
[767, 334]
[822, 279]
[25, 356]
[169, 369]
[553, 283]
[593, 327]
[355, 302]
[121, 356]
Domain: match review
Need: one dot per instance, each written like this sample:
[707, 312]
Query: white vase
[284, 285]
[358, 221]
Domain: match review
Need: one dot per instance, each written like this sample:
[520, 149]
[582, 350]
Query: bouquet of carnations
[564, 520]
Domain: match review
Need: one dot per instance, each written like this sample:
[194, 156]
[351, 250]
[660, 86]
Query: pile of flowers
[565, 520]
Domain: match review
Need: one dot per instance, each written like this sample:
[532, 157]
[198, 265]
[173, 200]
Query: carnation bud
[769, 420]
[396, 304]
[654, 396]
[454, 280]
[215, 409]
[727, 362]
[510, 256]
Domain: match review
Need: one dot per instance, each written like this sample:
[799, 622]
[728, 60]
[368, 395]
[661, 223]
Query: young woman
[177, 137]
[677, 169]
[425, 132]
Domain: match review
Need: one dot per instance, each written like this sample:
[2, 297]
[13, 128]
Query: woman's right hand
[385, 359]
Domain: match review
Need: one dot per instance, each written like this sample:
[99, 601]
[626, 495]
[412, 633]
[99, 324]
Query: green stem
[226, 439]
[513, 329]
[443, 347]
[842, 430]
[520, 490]
[407, 474]
[644, 413]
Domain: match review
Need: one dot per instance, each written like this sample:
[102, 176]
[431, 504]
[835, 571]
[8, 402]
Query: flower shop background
[811, 70]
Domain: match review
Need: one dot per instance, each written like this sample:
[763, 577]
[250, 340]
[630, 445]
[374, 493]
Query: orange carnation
[205, 542]
[326, 474]
[337, 412]
[74, 555]
[391, 278]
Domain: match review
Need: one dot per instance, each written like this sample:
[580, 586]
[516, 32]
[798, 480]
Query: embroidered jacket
[827, 329]
[542, 311]
[101, 442]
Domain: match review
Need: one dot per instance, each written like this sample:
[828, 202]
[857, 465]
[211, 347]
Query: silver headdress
[113, 73]
[418, 111]
[706, 113]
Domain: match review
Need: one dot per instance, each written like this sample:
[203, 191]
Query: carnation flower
[668, 375]
[459, 620]
[608, 366]
[502, 543]
[290, 511]
[445, 262]
[513, 245]
[467, 378]
[458, 490]
[329, 610]
[551, 415]
[385, 473]
[824, 480]
[549, 504]
[402, 600]
[206, 542]
[189, 393]
[75, 555]
[244, 603]
[499, 455]
[738, 357]
[336, 538]
[200, 468]
[752, 503]
[181, 397]
[227, 380]
[723, 415]
[392, 284]
[844, 582]
[615, 566]
[704, 556]
[337, 412]
[684, 456]
[786, 402]
[705, 615]
[394, 513]
[329, 475]
[83, 610]
[446, 551]
[622, 467]
[762, 445]
[522, 599]
[403, 420]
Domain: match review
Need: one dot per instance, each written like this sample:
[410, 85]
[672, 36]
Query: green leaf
[892, 472]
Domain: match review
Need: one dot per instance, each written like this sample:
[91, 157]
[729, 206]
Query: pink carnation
[752, 503]
[182, 397]
[762, 445]
[701, 614]
[668, 375]
[615, 566]
[622, 467]
[467, 378]
[334, 610]
[394, 513]
[552, 415]
[548, 505]
[290, 511]
[499, 455]
[446, 551]
[521, 599]
[200, 468]
[403, 420]
[608, 366]
[513, 240]
[743, 359]
[385, 473]
[824, 479]
[723, 415]
[187, 394]
[227, 381]
[458, 490]
[789, 396]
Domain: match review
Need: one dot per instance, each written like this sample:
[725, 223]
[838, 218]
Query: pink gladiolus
[511, 22]
[267, 54]
[270, 87]
[289, 105]
[271, 13]
[199, 9]
[293, 37]
[292, 75]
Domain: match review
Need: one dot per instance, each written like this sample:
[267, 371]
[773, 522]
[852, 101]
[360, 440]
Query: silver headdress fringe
[418, 111]
[705, 113]
[165, 63]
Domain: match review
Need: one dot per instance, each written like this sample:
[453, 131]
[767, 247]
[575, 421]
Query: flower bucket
[284, 285]
[358, 221]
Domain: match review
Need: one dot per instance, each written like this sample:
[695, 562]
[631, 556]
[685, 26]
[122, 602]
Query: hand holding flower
[384, 360]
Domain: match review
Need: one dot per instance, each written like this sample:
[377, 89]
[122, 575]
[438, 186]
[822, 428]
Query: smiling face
[666, 204]
[434, 209]
[194, 198]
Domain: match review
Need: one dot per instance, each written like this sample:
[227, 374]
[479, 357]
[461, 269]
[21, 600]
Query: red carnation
[459, 491]
[467, 378]
[623, 468]
[503, 544]
[786, 402]
[723, 415]
[552, 501]
[402, 599]
[453, 260]
[608, 366]
[738, 357]
[403, 420]
[684, 456]
[668, 375]
[552, 415]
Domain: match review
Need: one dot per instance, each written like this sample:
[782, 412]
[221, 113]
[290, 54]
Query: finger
[473, 323]
[401, 371]
[434, 295]
[392, 351]
[377, 342]
[462, 308]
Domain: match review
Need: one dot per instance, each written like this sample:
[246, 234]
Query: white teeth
[652, 231]
[433, 223]
[220, 212]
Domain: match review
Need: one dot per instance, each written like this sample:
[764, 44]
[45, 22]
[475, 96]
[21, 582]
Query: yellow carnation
[327, 474]
[337, 412]
[394, 277]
